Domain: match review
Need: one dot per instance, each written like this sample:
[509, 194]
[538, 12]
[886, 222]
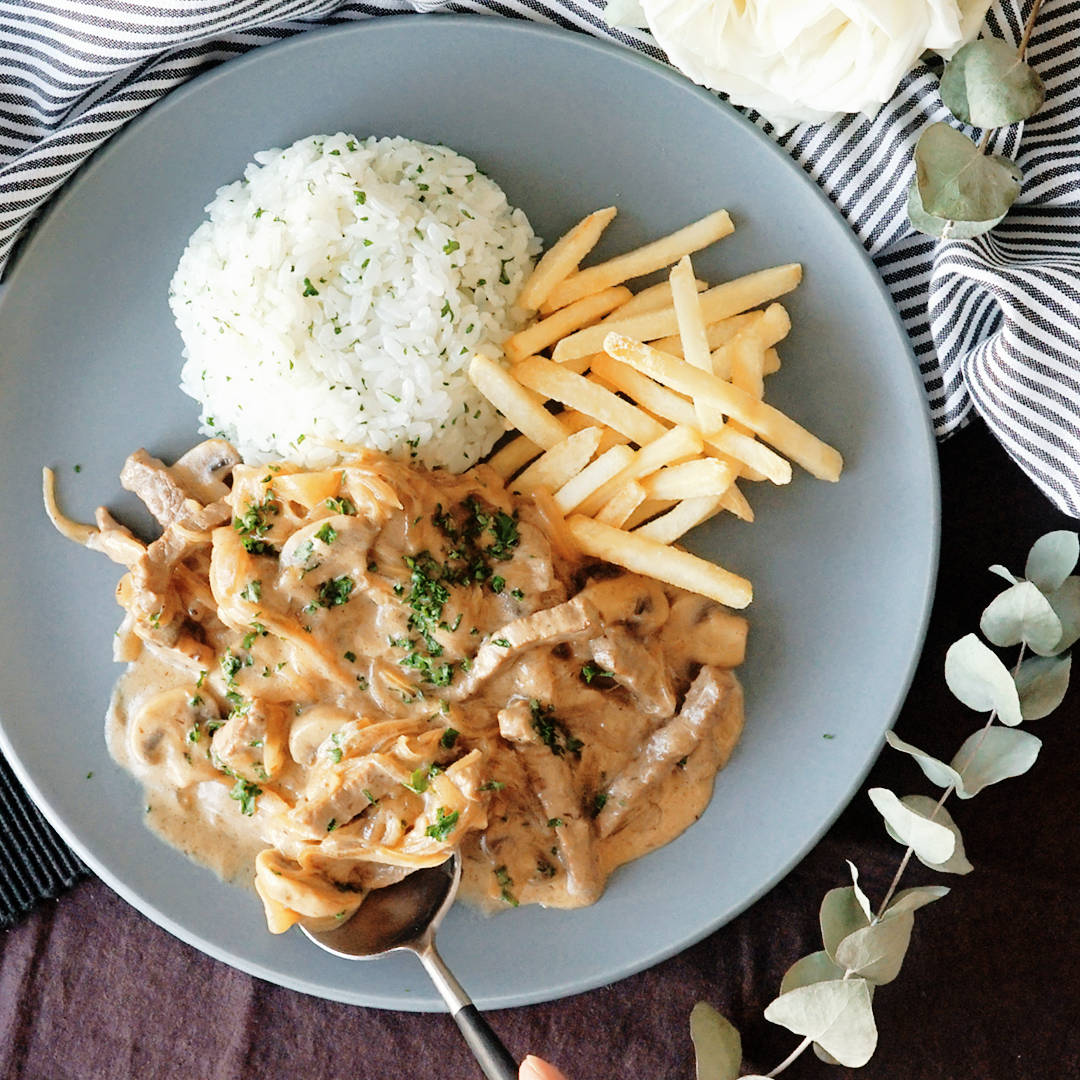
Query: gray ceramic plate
[843, 572]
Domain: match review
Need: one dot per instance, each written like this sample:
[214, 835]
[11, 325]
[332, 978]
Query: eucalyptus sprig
[827, 996]
[959, 189]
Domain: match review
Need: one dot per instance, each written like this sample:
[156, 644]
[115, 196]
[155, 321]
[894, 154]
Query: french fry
[772, 361]
[669, 405]
[643, 260]
[654, 298]
[701, 476]
[674, 445]
[775, 427]
[621, 505]
[680, 519]
[553, 381]
[719, 302]
[597, 473]
[562, 461]
[735, 501]
[540, 335]
[717, 333]
[515, 455]
[648, 509]
[522, 409]
[642, 555]
[692, 335]
[562, 258]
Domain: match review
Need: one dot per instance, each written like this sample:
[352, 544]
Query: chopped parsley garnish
[361, 196]
[599, 802]
[555, 822]
[492, 785]
[449, 737]
[245, 793]
[341, 506]
[230, 665]
[257, 630]
[350, 656]
[590, 671]
[327, 533]
[309, 289]
[444, 824]
[552, 732]
[334, 592]
[501, 642]
[418, 779]
[498, 584]
[517, 594]
[370, 798]
[253, 525]
[331, 825]
[504, 880]
[252, 591]
[450, 247]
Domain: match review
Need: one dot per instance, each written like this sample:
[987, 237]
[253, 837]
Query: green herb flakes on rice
[335, 296]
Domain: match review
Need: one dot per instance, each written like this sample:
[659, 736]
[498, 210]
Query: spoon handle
[492, 1057]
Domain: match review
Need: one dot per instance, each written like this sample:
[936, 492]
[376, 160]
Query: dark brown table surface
[90, 988]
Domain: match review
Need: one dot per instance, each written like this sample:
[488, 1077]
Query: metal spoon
[406, 916]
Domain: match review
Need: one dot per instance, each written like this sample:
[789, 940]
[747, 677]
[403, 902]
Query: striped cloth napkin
[994, 322]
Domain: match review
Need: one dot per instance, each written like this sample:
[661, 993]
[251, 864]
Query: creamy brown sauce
[336, 677]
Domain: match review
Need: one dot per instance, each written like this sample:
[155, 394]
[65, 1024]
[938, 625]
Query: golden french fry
[680, 519]
[717, 333]
[775, 427]
[557, 465]
[515, 455]
[523, 409]
[540, 335]
[772, 361]
[597, 473]
[762, 461]
[770, 326]
[701, 476]
[735, 501]
[562, 258]
[553, 381]
[643, 260]
[645, 556]
[654, 298]
[693, 336]
[668, 405]
[621, 505]
[674, 445]
[720, 302]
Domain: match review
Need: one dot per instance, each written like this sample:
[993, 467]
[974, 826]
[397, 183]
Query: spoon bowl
[406, 915]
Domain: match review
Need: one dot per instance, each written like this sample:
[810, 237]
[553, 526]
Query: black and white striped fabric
[994, 322]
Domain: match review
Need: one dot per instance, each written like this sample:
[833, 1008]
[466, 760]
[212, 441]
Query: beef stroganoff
[338, 676]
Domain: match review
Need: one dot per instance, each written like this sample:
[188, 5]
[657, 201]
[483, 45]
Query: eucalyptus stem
[1029, 26]
[792, 1057]
[944, 796]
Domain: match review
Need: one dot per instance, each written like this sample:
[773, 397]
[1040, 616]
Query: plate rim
[500, 25]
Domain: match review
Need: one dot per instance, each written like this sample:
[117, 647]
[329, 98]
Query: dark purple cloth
[89, 988]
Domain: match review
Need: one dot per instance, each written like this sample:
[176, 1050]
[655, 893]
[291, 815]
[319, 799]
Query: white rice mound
[336, 295]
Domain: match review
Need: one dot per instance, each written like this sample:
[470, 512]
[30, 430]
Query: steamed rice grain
[335, 296]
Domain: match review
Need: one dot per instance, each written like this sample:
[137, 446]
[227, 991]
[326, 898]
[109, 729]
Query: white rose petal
[805, 61]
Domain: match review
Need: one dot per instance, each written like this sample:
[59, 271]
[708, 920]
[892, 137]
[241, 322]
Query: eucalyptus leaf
[942, 227]
[1066, 603]
[815, 968]
[924, 806]
[1005, 572]
[915, 898]
[1042, 682]
[860, 897]
[823, 1055]
[877, 952]
[1052, 559]
[928, 839]
[987, 84]
[836, 1014]
[980, 680]
[937, 772]
[717, 1044]
[992, 755]
[1022, 614]
[841, 914]
[956, 180]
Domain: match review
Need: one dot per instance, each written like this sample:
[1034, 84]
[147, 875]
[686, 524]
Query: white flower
[799, 61]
